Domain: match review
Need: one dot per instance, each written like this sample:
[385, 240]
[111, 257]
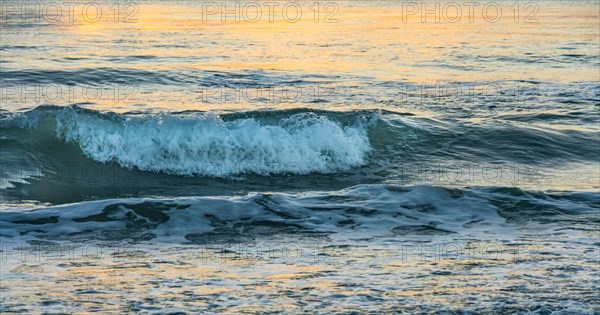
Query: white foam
[207, 145]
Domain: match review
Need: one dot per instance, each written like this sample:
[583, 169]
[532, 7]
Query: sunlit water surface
[357, 160]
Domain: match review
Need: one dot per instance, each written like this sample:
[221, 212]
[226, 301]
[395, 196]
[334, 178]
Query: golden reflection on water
[174, 279]
[369, 44]
[367, 40]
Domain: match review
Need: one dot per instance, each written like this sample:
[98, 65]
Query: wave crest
[205, 144]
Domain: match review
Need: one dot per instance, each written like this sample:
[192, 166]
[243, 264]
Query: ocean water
[351, 157]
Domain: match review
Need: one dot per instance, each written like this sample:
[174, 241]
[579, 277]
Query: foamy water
[359, 159]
